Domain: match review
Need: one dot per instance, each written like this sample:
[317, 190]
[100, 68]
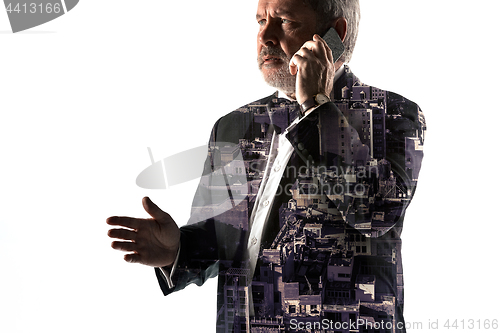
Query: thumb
[152, 209]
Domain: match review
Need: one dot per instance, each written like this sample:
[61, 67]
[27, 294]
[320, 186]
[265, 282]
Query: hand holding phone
[313, 64]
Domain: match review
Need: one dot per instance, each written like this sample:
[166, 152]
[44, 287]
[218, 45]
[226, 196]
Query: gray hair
[330, 10]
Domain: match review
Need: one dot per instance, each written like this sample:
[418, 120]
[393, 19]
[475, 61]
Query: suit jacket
[331, 247]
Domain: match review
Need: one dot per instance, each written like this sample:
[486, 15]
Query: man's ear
[340, 25]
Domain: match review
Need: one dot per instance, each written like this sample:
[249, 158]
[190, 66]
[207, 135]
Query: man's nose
[268, 35]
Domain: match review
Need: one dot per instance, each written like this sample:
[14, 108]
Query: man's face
[284, 26]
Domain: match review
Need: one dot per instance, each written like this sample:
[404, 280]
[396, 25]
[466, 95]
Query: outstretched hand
[153, 242]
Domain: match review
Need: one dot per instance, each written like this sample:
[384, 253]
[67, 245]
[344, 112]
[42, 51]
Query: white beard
[280, 77]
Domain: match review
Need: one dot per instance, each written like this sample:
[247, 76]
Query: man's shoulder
[239, 124]
[352, 93]
[259, 106]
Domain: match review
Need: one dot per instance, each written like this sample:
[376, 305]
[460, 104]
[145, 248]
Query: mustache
[274, 51]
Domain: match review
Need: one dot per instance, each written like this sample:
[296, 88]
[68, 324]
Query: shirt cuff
[310, 110]
[169, 272]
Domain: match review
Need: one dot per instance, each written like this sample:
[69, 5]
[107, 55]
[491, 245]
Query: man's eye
[261, 22]
[285, 21]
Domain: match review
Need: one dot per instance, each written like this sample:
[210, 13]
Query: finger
[296, 63]
[153, 209]
[124, 221]
[122, 234]
[124, 246]
[292, 66]
[132, 258]
[305, 52]
[326, 47]
[319, 48]
[310, 45]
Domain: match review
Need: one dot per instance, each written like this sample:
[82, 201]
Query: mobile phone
[333, 40]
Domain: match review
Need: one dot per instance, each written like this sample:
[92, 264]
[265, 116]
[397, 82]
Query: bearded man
[301, 204]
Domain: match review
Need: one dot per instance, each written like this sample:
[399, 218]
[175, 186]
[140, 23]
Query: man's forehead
[281, 7]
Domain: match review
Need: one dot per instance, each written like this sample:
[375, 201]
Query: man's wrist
[315, 101]
[168, 271]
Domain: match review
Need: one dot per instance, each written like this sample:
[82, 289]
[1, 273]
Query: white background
[83, 96]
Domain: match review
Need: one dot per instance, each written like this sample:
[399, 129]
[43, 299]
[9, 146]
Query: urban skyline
[336, 255]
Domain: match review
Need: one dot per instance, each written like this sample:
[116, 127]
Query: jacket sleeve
[209, 238]
[369, 174]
